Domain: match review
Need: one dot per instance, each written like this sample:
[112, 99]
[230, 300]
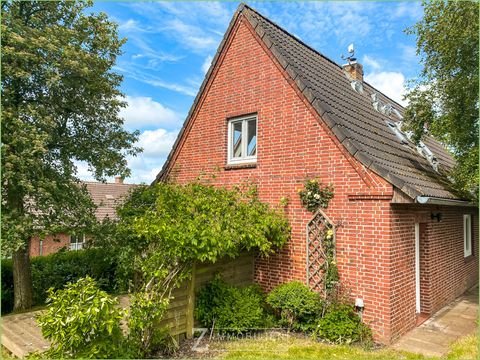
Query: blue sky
[170, 46]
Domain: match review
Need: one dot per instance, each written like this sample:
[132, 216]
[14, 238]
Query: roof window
[428, 154]
[357, 86]
[398, 133]
[397, 113]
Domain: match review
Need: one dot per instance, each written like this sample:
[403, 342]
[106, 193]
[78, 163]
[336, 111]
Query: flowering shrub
[315, 195]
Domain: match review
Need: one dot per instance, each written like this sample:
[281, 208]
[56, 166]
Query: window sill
[468, 259]
[240, 166]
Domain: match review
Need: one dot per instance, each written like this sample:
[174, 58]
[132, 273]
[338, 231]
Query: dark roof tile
[350, 114]
[361, 129]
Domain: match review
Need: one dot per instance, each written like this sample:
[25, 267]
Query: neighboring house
[106, 196]
[274, 111]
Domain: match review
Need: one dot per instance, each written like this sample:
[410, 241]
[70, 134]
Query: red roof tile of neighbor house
[107, 196]
[350, 114]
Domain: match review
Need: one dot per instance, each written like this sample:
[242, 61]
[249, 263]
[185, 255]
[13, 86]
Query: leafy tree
[165, 228]
[445, 97]
[60, 103]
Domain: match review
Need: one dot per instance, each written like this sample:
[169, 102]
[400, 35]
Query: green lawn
[465, 348]
[6, 355]
[291, 348]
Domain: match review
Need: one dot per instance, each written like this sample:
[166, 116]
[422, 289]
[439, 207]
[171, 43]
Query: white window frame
[77, 245]
[244, 159]
[467, 235]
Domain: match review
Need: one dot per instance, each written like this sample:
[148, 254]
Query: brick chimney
[354, 71]
[118, 180]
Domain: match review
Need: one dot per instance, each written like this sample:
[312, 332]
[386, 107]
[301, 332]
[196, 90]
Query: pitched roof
[107, 196]
[349, 114]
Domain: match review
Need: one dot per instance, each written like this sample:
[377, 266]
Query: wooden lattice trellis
[317, 261]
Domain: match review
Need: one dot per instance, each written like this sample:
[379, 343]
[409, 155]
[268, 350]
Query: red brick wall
[375, 242]
[51, 244]
[444, 272]
[292, 145]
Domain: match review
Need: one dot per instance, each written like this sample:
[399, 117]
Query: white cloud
[82, 171]
[157, 143]
[391, 83]
[144, 167]
[409, 53]
[146, 77]
[206, 64]
[160, 128]
[156, 146]
[371, 62]
[128, 25]
[191, 36]
[410, 9]
[144, 112]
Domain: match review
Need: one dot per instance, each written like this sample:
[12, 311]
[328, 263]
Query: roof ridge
[292, 36]
[337, 108]
[243, 6]
[105, 183]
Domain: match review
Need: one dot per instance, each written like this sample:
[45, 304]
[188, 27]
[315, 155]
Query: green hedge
[58, 269]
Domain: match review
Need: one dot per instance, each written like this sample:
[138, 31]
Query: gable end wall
[293, 145]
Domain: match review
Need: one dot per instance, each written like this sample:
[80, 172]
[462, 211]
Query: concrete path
[434, 336]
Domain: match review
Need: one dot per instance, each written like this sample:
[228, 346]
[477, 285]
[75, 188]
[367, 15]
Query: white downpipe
[417, 268]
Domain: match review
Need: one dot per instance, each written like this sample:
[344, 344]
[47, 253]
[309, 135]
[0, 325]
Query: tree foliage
[445, 97]
[165, 228]
[82, 321]
[60, 104]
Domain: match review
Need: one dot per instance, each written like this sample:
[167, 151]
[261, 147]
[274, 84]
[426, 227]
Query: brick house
[275, 112]
[105, 196]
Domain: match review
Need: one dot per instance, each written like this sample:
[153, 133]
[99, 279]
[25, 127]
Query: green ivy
[314, 195]
[164, 229]
[330, 265]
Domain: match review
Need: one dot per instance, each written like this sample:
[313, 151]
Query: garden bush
[342, 325]
[229, 308]
[296, 306]
[82, 321]
[7, 286]
[58, 269]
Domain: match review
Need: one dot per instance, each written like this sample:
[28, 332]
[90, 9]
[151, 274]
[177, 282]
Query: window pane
[237, 139]
[469, 235]
[252, 138]
[73, 239]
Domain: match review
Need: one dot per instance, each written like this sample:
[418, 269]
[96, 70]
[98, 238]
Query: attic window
[357, 86]
[397, 113]
[242, 140]
[398, 133]
[428, 154]
[386, 109]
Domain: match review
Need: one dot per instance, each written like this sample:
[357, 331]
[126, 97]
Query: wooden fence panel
[180, 315]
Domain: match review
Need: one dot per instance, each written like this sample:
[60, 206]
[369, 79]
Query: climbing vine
[330, 266]
[315, 195]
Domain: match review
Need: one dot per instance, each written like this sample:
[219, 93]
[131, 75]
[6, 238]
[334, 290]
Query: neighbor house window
[242, 140]
[77, 242]
[467, 235]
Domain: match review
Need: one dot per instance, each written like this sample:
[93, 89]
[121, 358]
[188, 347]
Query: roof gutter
[440, 201]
